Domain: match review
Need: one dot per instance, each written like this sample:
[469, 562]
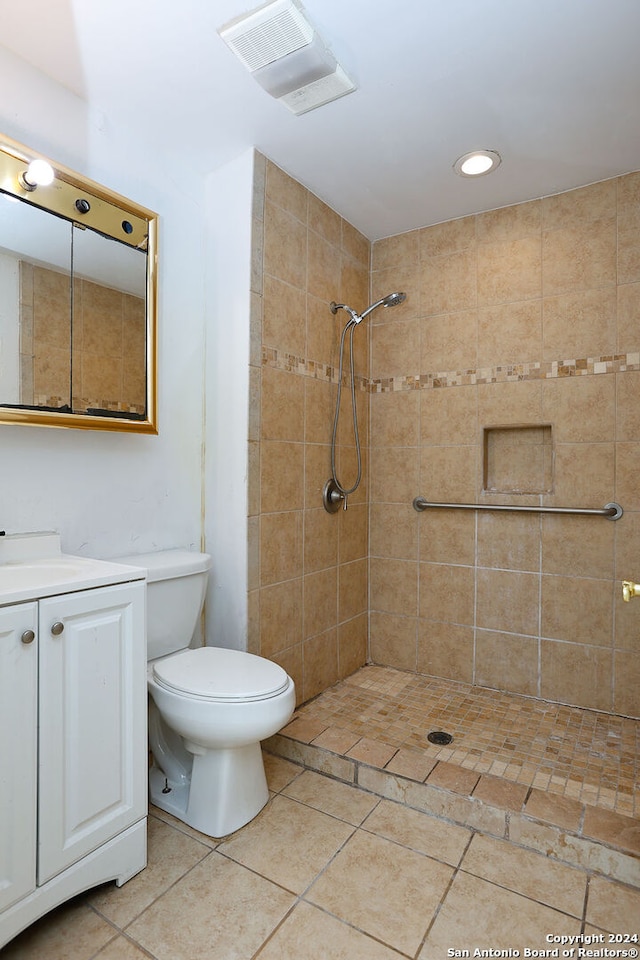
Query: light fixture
[286, 56]
[477, 163]
[39, 173]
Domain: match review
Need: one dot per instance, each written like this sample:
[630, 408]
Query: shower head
[391, 300]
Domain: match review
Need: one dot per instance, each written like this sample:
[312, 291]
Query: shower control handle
[629, 590]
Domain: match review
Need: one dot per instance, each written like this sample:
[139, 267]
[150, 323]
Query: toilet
[209, 707]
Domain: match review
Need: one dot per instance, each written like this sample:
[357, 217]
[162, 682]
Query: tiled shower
[511, 374]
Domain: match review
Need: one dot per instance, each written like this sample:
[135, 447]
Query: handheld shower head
[391, 300]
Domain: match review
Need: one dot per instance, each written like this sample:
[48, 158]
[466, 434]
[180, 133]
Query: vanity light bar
[98, 208]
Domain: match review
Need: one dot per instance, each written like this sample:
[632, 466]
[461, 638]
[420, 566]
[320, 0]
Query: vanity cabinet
[73, 747]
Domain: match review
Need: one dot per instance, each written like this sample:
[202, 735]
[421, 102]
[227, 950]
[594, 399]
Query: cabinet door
[18, 750]
[93, 739]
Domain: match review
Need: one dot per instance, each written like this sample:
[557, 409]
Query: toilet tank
[176, 587]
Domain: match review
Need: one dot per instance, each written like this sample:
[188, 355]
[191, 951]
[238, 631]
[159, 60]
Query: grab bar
[612, 511]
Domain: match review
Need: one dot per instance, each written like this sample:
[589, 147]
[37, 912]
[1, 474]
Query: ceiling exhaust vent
[286, 56]
[267, 34]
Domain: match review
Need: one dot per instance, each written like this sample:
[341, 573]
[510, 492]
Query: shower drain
[439, 737]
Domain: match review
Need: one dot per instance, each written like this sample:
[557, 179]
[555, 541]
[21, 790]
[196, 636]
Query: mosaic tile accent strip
[515, 372]
[575, 753]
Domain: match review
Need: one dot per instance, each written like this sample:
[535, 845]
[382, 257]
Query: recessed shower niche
[518, 459]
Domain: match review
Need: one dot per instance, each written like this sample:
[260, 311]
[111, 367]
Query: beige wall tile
[392, 640]
[285, 237]
[355, 244]
[396, 251]
[280, 547]
[323, 267]
[395, 348]
[628, 229]
[626, 698]
[628, 303]
[280, 616]
[447, 593]
[393, 586]
[449, 342]
[353, 589]
[448, 415]
[509, 333]
[577, 609]
[580, 323]
[509, 270]
[393, 474]
[281, 476]
[352, 644]
[448, 283]
[320, 601]
[401, 279]
[628, 405]
[282, 405]
[447, 536]
[502, 404]
[578, 546]
[580, 409]
[627, 465]
[584, 475]
[353, 532]
[508, 601]
[509, 223]
[442, 239]
[320, 662]
[597, 201]
[284, 316]
[320, 540]
[509, 540]
[394, 531]
[445, 650]
[507, 661]
[285, 192]
[579, 257]
[576, 673]
[395, 419]
[449, 474]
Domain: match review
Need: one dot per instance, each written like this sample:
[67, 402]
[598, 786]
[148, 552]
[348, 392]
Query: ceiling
[552, 85]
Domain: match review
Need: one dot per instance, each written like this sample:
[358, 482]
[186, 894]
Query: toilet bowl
[209, 707]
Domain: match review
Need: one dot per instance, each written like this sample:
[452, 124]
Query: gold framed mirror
[78, 300]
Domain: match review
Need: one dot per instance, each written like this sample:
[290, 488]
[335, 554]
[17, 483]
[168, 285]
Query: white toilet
[209, 707]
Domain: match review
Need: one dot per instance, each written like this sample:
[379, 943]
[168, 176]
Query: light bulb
[477, 163]
[39, 173]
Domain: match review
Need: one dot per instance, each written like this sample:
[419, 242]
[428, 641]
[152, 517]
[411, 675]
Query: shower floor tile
[579, 754]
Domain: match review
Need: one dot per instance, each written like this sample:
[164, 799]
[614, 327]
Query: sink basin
[17, 576]
[32, 566]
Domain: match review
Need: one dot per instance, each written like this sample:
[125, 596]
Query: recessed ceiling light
[477, 163]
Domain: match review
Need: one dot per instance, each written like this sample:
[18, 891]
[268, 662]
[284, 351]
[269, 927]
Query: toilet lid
[214, 673]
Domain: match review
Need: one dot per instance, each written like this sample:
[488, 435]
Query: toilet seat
[214, 673]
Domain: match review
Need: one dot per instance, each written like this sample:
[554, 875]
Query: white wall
[229, 207]
[110, 493]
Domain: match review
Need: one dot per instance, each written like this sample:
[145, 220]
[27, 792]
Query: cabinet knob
[57, 628]
[28, 636]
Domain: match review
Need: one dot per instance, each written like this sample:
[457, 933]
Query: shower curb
[618, 860]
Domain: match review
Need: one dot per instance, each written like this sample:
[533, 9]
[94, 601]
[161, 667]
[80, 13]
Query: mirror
[78, 326]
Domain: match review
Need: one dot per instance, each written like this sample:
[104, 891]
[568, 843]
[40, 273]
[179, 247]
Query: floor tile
[371, 751]
[613, 907]
[531, 874]
[418, 831]
[171, 854]
[279, 772]
[309, 933]
[612, 828]
[383, 889]
[500, 793]
[332, 797]
[411, 763]
[478, 914]
[288, 843]
[219, 911]
[121, 949]
[584, 755]
[563, 811]
[452, 777]
[49, 937]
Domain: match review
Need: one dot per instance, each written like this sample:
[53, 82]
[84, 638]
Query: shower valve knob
[629, 590]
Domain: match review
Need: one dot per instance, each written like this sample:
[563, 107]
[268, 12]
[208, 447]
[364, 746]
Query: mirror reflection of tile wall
[108, 341]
